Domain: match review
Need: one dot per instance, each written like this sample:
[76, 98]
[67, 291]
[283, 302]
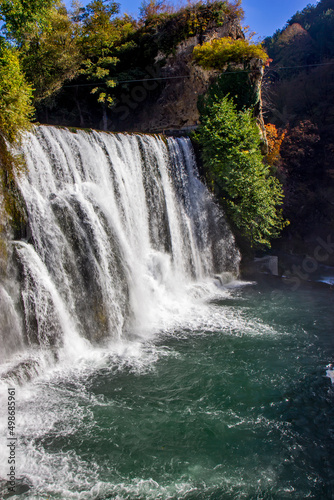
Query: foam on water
[143, 369]
[109, 400]
[120, 230]
[330, 372]
[59, 403]
[124, 245]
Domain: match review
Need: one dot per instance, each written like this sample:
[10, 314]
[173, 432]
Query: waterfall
[119, 227]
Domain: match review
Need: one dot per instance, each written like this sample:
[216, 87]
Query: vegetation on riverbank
[297, 93]
[231, 149]
[68, 63]
[230, 140]
[48, 46]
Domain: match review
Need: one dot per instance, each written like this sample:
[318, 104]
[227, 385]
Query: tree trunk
[104, 118]
[77, 102]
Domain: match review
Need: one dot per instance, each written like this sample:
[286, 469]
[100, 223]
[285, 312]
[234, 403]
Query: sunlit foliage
[218, 52]
[232, 156]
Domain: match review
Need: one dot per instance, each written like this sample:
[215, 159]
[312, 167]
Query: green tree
[20, 17]
[231, 152]
[15, 114]
[15, 95]
[20, 20]
[51, 57]
[102, 34]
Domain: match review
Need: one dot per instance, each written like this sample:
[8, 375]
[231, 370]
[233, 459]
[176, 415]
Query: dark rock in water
[268, 263]
[27, 369]
[22, 486]
[265, 265]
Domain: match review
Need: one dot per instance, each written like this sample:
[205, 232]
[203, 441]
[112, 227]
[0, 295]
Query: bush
[232, 157]
[219, 52]
[235, 83]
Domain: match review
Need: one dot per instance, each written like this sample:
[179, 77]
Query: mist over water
[143, 369]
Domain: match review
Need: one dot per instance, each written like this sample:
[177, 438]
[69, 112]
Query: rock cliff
[158, 81]
[175, 108]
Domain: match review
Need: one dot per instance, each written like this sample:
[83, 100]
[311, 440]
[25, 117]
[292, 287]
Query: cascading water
[135, 372]
[119, 226]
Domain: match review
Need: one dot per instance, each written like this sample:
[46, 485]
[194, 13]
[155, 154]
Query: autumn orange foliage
[275, 138]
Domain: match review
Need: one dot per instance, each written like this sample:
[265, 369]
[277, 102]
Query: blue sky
[262, 16]
[266, 16]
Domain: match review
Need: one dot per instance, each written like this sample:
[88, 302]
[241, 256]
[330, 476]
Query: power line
[189, 76]
[301, 66]
[128, 81]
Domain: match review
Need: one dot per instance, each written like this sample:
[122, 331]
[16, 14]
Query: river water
[142, 368]
[231, 399]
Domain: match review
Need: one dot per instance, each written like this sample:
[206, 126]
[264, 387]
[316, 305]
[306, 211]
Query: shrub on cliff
[251, 196]
[220, 51]
[238, 85]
